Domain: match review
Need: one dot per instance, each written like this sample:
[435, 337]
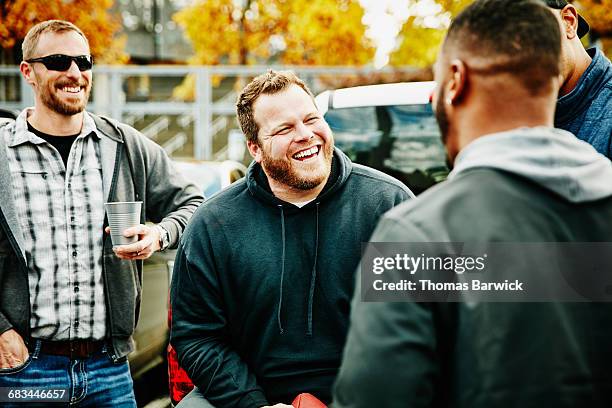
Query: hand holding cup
[131, 239]
[147, 242]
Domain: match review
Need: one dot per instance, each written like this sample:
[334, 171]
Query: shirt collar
[23, 135]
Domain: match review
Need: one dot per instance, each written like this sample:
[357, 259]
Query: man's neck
[582, 62]
[488, 118]
[294, 195]
[53, 123]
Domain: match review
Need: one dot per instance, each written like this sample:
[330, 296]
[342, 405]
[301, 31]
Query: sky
[384, 19]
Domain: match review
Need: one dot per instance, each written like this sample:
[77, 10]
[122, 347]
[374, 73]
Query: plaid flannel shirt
[62, 215]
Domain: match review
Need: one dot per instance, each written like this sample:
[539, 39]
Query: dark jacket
[261, 288]
[133, 169]
[587, 110]
[491, 355]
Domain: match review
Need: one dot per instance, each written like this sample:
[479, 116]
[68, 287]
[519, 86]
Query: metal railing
[109, 97]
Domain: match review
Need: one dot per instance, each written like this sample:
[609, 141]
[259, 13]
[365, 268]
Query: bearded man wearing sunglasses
[69, 301]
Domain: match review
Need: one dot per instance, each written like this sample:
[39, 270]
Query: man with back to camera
[68, 303]
[265, 271]
[515, 179]
[584, 106]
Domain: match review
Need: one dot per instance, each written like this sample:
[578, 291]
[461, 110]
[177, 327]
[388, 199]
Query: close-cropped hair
[517, 37]
[269, 83]
[28, 48]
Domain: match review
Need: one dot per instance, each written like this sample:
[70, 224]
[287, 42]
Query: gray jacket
[133, 169]
[521, 186]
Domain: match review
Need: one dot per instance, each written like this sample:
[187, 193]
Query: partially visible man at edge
[584, 106]
[69, 301]
[265, 271]
[515, 179]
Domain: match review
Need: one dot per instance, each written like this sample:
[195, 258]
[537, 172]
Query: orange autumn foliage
[93, 17]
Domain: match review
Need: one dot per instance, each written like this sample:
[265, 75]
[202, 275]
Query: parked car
[390, 127]
[212, 177]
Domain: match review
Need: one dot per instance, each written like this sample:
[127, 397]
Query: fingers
[134, 256]
[148, 243]
[140, 250]
[13, 351]
[137, 230]
[11, 361]
[134, 248]
[130, 232]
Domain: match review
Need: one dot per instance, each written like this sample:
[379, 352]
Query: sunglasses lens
[57, 62]
[62, 62]
[84, 62]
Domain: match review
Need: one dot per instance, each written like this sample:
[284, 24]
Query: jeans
[95, 381]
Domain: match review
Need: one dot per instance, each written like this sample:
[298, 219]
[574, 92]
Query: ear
[255, 150]
[457, 84]
[28, 72]
[569, 18]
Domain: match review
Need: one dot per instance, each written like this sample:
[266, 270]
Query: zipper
[107, 297]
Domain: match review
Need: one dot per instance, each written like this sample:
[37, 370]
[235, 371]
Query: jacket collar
[7, 204]
[108, 127]
[110, 145]
[598, 73]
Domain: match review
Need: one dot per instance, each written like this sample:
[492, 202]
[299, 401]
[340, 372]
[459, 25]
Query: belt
[71, 348]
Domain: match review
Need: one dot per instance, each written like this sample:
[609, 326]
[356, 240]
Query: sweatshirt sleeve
[171, 199]
[199, 327]
[380, 332]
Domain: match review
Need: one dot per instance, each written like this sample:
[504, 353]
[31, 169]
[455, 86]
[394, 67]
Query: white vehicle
[390, 127]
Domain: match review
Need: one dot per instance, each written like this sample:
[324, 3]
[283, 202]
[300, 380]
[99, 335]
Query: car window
[402, 141]
[417, 144]
[355, 129]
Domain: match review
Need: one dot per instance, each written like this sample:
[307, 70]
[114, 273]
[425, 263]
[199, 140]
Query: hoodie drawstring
[313, 277]
[280, 295]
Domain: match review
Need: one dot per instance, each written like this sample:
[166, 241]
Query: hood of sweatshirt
[552, 158]
[258, 185]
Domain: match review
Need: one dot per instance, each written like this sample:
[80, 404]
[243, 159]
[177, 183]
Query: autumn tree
[300, 32]
[421, 35]
[325, 32]
[93, 17]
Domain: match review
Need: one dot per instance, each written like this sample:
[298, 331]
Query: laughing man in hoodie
[515, 179]
[264, 275]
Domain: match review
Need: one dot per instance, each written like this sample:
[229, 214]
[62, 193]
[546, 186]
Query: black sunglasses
[61, 62]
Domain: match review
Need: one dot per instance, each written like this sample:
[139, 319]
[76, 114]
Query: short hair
[28, 48]
[518, 37]
[269, 83]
